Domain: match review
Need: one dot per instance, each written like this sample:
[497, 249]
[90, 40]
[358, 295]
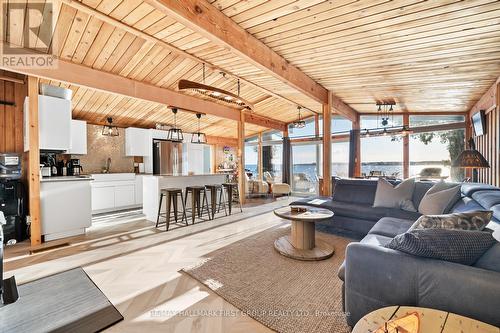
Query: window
[339, 125]
[340, 159]
[305, 169]
[274, 135]
[382, 156]
[431, 154]
[251, 161]
[416, 121]
[272, 162]
[370, 122]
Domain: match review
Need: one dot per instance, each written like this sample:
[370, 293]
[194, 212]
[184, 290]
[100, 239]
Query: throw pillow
[460, 246]
[496, 234]
[389, 196]
[476, 220]
[439, 199]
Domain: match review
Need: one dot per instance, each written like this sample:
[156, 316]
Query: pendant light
[109, 129]
[198, 137]
[174, 133]
[300, 123]
[216, 93]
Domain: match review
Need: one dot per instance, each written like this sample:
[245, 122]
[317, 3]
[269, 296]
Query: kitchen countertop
[65, 179]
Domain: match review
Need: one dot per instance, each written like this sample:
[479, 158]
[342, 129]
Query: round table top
[311, 215]
[431, 321]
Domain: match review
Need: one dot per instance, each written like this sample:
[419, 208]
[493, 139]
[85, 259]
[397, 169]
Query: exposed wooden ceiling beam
[202, 17]
[141, 34]
[103, 81]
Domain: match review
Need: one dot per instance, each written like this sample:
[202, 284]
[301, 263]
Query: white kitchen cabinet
[114, 191]
[78, 137]
[125, 195]
[137, 142]
[54, 121]
[138, 189]
[103, 198]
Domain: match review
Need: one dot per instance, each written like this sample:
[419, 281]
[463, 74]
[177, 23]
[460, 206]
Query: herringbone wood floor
[136, 266]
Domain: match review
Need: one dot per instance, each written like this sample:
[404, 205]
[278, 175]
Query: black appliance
[10, 166]
[74, 168]
[12, 198]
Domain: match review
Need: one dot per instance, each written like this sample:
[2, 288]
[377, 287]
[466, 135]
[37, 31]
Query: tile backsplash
[100, 147]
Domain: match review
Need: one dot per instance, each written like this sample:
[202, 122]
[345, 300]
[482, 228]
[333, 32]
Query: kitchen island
[153, 184]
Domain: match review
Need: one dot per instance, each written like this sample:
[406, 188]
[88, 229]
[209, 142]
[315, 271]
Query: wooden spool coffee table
[302, 243]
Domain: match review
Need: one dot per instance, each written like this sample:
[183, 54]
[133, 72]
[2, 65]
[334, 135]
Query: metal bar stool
[172, 195]
[198, 204]
[216, 190]
[233, 195]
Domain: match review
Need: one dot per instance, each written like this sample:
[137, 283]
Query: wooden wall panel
[11, 117]
[489, 144]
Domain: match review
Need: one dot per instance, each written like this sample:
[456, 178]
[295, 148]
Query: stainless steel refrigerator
[167, 157]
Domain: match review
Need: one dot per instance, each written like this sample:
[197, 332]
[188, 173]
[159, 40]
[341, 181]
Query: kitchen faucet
[108, 164]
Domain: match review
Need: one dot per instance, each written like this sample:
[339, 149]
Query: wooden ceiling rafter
[201, 16]
[139, 33]
[106, 82]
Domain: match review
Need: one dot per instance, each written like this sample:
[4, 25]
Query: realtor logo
[29, 38]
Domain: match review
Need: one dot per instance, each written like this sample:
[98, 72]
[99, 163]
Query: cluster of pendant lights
[175, 133]
[385, 113]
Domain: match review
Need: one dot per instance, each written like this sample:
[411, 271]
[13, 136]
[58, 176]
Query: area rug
[284, 294]
[63, 302]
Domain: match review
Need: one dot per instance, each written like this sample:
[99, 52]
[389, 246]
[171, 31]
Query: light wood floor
[137, 268]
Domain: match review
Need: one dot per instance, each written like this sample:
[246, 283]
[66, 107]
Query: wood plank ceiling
[435, 56]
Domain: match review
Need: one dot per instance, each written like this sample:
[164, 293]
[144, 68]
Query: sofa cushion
[355, 190]
[439, 199]
[460, 246]
[391, 226]
[466, 204]
[490, 260]
[390, 196]
[374, 239]
[469, 188]
[419, 191]
[474, 220]
[487, 199]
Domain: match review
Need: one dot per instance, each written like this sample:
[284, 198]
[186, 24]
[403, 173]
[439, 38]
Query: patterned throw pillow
[460, 246]
[476, 220]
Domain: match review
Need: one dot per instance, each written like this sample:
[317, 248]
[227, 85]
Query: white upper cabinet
[54, 122]
[78, 137]
[138, 142]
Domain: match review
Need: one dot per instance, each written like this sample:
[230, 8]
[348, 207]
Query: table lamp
[471, 159]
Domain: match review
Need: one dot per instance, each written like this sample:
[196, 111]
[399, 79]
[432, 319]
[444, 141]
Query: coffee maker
[74, 169]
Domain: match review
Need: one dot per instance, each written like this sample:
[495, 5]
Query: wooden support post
[356, 125]
[316, 125]
[34, 163]
[241, 157]
[406, 148]
[327, 147]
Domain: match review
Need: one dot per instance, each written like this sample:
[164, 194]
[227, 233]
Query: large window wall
[305, 168]
[381, 155]
[431, 154]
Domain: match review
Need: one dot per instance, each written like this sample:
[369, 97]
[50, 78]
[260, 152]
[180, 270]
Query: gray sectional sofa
[375, 276]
